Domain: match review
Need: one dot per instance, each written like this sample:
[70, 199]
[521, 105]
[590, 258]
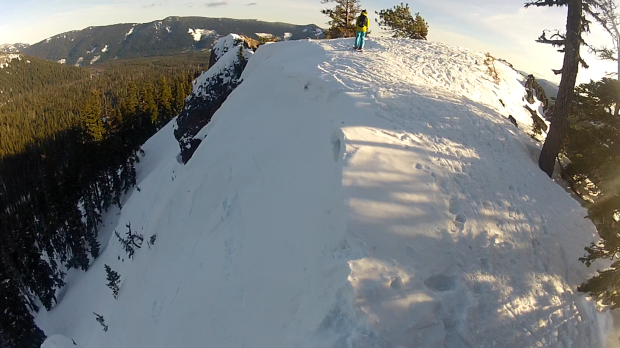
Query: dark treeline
[68, 144]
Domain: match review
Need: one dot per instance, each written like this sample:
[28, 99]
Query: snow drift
[376, 199]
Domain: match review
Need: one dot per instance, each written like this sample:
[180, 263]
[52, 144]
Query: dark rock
[248, 43]
[513, 121]
[535, 90]
[539, 123]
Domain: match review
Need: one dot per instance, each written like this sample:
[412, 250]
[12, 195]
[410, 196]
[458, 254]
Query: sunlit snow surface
[346, 199]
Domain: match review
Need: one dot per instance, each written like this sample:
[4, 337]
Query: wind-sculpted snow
[346, 199]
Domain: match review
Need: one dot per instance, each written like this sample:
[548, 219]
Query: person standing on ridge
[361, 29]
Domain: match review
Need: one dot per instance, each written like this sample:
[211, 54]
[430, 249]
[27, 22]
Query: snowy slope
[344, 199]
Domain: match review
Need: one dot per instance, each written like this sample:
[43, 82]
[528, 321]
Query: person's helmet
[364, 12]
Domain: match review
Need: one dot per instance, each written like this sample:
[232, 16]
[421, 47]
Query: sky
[504, 28]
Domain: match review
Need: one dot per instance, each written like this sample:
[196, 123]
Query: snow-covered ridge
[346, 199]
[219, 69]
[13, 48]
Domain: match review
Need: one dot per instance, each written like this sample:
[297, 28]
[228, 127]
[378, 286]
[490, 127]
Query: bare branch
[603, 53]
[539, 3]
[556, 40]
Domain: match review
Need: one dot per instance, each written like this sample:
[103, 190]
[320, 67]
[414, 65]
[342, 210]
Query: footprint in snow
[440, 282]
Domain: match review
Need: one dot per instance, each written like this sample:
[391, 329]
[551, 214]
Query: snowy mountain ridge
[345, 199]
[13, 48]
[169, 36]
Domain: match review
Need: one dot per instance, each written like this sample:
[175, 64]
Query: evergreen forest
[69, 140]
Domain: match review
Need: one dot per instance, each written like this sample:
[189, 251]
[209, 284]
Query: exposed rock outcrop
[221, 46]
[210, 90]
[535, 92]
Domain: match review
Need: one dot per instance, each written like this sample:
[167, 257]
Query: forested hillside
[70, 139]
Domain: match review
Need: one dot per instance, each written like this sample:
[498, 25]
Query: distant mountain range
[170, 36]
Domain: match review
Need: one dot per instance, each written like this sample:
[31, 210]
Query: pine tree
[164, 100]
[594, 150]
[592, 144]
[342, 17]
[131, 242]
[401, 24]
[605, 286]
[609, 19]
[179, 97]
[149, 106]
[129, 109]
[113, 279]
[420, 27]
[16, 323]
[92, 116]
[570, 43]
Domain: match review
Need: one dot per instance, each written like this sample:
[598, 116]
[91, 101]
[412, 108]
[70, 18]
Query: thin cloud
[251, 4]
[216, 3]
[151, 5]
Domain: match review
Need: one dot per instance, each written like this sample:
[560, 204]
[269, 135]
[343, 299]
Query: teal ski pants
[360, 38]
